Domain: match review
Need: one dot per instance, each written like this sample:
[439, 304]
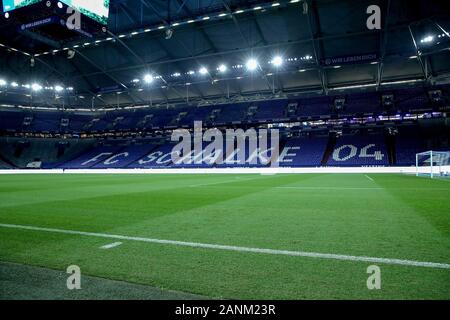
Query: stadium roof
[171, 51]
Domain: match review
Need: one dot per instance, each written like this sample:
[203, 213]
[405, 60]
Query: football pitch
[247, 236]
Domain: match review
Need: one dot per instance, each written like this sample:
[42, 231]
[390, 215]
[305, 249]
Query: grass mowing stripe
[221, 182]
[242, 249]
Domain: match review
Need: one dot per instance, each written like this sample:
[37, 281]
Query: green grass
[393, 216]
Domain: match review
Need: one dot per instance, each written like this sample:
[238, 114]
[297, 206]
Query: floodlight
[148, 78]
[14, 84]
[427, 39]
[251, 64]
[2, 82]
[58, 88]
[36, 87]
[222, 68]
[203, 70]
[277, 61]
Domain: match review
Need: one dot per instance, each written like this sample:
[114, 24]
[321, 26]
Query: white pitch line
[342, 257]
[111, 245]
[329, 188]
[356, 188]
[369, 177]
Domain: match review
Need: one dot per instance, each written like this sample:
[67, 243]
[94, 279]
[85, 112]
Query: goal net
[433, 164]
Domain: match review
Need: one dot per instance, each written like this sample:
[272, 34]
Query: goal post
[433, 164]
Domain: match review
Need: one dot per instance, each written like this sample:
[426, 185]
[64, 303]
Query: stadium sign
[250, 147]
[39, 23]
[354, 59]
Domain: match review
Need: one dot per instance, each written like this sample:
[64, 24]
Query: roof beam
[108, 74]
[418, 53]
[61, 74]
[233, 51]
[318, 49]
[383, 43]
[170, 56]
[202, 31]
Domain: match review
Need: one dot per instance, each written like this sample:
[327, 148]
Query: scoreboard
[9, 5]
[49, 19]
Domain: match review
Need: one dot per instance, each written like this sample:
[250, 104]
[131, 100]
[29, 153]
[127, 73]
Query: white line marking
[358, 188]
[242, 249]
[330, 188]
[368, 177]
[111, 245]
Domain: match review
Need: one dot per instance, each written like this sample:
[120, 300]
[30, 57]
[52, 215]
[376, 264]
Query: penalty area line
[332, 256]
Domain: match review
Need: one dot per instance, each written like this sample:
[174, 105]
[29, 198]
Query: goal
[433, 164]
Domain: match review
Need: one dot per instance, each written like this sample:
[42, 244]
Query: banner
[354, 59]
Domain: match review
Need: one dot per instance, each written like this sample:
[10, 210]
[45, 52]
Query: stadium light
[14, 84]
[203, 70]
[222, 68]
[427, 39]
[148, 78]
[277, 61]
[252, 64]
[58, 88]
[36, 87]
[2, 82]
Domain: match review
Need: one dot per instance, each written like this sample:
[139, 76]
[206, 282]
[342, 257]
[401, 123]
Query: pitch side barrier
[406, 170]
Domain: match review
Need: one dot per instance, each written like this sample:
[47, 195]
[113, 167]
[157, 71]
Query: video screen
[9, 5]
[97, 10]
